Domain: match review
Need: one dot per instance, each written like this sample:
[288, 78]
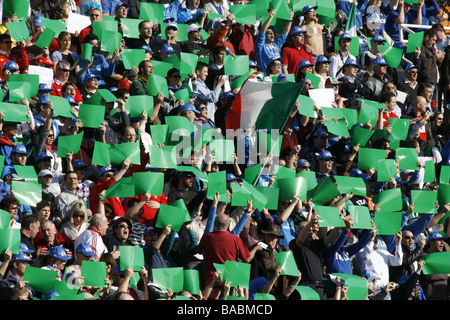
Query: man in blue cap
[314, 32]
[378, 78]
[44, 111]
[351, 87]
[189, 111]
[319, 142]
[267, 47]
[19, 156]
[295, 52]
[326, 166]
[366, 58]
[410, 84]
[18, 265]
[343, 55]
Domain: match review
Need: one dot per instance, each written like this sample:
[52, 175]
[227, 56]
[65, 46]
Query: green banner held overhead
[357, 287]
[94, 273]
[436, 263]
[172, 278]
[152, 11]
[163, 157]
[130, 27]
[307, 293]
[10, 238]
[132, 57]
[361, 217]
[28, 193]
[14, 112]
[16, 7]
[119, 152]
[424, 201]
[159, 133]
[236, 65]
[18, 30]
[100, 155]
[388, 222]
[45, 39]
[91, 115]
[323, 192]
[217, 182]
[41, 280]
[415, 41]
[347, 185]
[191, 281]
[443, 193]
[131, 256]
[69, 144]
[61, 107]
[244, 13]
[444, 176]
[386, 169]
[290, 187]
[172, 215]
[157, 84]
[123, 188]
[237, 273]
[368, 158]
[329, 216]
[390, 199]
[26, 172]
[407, 158]
[360, 136]
[148, 181]
[286, 260]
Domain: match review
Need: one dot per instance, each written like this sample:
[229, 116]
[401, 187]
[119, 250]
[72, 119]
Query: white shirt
[336, 64]
[95, 240]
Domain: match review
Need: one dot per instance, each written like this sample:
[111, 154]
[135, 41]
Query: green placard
[18, 30]
[393, 57]
[361, 217]
[443, 193]
[436, 263]
[69, 144]
[61, 107]
[157, 84]
[26, 172]
[148, 181]
[286, 260]
[290, 187]
[130, 27]
[368, 158]
[237, 273]
[315, 79]
[172, 215]
[172, 278]
[388, 222]
[152, 11]
[444, 176]
[10, 238]
[191, 281]
[45, 39]
[14, 112]
[361, 136]
[217, 182]
[386, 169]
[40, 280]
[119, 152]
[329, 216]
[307, 293]
[91, 115]
[323, 192]
[430, 171]
[131, 256]
[244, 13]
[415, 40]
[123, 188]
[236, 65]
[163, 157]
[306, 106]
[27, 193]
[347, 185]
[94, 273]
[100, 155]
[132, 57]
[390, 199]
[159, 133]
[407, 158]
[424, 201]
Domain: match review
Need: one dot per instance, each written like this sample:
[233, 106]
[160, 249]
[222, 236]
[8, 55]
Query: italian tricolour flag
[263, 105]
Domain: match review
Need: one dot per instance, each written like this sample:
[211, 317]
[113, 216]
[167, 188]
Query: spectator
[343, 57]
[314, 32]
[118, 234]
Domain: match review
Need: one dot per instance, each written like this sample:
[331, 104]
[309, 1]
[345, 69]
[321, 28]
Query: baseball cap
[282, 77]
[42, 156]
[79, 164]
[11, 65]
[378, 38]
[307, 8]
[345, 35]
[320, 133]
[232, 177]
[37, 20]
[325, 154]
[436, 236]
[44, 99]
[355, 172]
[305, 63]
[85, 248]
[167, 48]
[351, 62]
[71, 100]
[322, 59]
[21, 256]
[303, 163]
[19, 148]
[217, 22]
[122, 4]
[411, 66]
[104, 170]
[45, 87]
[24, 248]
[189, 107]
[296, 30]
[146, 47]
[90, 76]
[59, 252]
[172, 25]
[226, 95]
[43, 60]
[379, 61]
[44, 173]
[192, 27]
[252, 63]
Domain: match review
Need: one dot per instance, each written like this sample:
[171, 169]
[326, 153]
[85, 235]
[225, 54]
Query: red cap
[125, 84]
[44, 61]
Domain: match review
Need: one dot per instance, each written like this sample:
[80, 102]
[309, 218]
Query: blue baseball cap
[378, 38]
[322, 59]
[232, 177]
[146, 47]
[217, 22]
[436, 236]
[411, 66]
[252, 63]
[90, 76]
[24, 248]
[189, 107]
[11, 65]
[85, 248]
[43, 156]
[355, 172]
[167, 48]
[305, 63]
[90, 5]
[325, 154]
[79, 164]
[19, 148]
[105, 169]
[307, 8]
[44, 99]
[345, 35]
[21, 257]
[59, 252]
[121, 4]
[351, 62]
[303, 163]
[379, 61]
[37, 20]
[226, 95]
[296, 30]
[320, 133]
[44, 87]
[346, 149]
[71, 100]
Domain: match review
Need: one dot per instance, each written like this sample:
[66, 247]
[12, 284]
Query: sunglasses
[108, 175]
[13, 207]
[78, 216]
[64, 70]
[409, 237]
[51, 135]
[123, 226]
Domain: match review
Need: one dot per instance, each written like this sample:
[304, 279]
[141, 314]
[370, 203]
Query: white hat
[192, 27]
[44, 173]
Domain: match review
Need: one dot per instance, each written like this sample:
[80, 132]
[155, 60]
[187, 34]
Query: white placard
[401, 96]
[45, 74]
[323, 98]
[77, 22]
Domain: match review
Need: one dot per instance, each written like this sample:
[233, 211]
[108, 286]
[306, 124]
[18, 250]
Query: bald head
[222, 222]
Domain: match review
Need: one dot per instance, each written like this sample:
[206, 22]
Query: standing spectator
[343, 56]
[314, 31]
[267, 47]
[295, 51]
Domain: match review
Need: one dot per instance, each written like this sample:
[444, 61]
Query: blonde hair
[78, 207]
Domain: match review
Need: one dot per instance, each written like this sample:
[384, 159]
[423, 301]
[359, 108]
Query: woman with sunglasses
[78, 221]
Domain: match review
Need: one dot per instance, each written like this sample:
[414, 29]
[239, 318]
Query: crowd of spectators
[73, 221]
